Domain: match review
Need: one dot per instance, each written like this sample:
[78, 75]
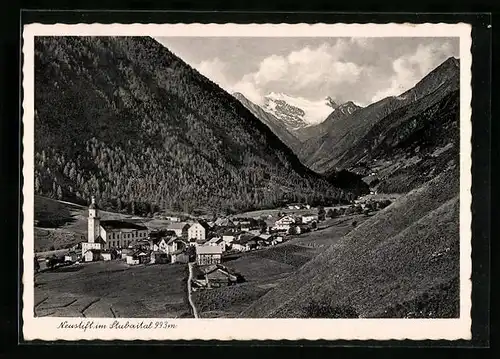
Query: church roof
[116, 224]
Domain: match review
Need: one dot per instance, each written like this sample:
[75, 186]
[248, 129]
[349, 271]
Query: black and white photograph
[247, 174]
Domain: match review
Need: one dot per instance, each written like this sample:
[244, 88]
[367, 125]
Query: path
[190, 298]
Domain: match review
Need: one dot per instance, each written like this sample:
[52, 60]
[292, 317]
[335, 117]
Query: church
[107, 234]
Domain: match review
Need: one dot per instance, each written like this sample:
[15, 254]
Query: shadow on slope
[406, 254]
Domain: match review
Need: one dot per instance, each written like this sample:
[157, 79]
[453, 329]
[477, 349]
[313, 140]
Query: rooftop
[116, 224]
[208, 250]
[177, 225]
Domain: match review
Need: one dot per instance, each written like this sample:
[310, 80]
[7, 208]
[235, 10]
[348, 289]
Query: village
[201, 244]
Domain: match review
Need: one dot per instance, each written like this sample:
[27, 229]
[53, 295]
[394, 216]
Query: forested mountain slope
[124, 119]
[334, 149]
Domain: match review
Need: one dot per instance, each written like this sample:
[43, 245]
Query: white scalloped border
[256, 329]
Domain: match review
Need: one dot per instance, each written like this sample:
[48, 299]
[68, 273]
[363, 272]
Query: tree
[59, 192]
[321, 213]
[330, 213]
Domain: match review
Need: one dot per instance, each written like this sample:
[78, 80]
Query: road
[190, 298]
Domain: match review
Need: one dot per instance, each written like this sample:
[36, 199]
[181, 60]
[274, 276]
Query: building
[198, 231]
[71, 256]
[246, 242]
[206, 254]
[159, 258]
[179, 228]
[106, 234]
[309, 217]
[122, 234]
[138, 257]
[179, 257]
[173, 219]
[92, 255]
[217, 241]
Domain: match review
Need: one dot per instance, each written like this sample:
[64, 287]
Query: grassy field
[113, 289]
[401, 262]
[60, 225]
[264, 269]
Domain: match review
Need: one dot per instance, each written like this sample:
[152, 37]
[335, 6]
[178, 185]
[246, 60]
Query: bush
[354, 223]
[324, 310]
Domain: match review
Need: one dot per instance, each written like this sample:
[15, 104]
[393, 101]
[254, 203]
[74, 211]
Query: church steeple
[93, 221]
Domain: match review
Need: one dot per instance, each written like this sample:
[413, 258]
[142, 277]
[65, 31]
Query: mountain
[125, 120]
[295, 112]
[345, 138]
[402, 262]
[340, 111]
[276, 125]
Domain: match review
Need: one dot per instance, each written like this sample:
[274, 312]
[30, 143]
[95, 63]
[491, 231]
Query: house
[159, 258]
[92, 255]
[179, 228]
[173, 219]
[206, 254]
[223, 222]
[229, 237]
[217, 241]
[138, 257]
[309, 217]
[284, 223]
[216, 276]
[71, 256]
[245, 243]
[126, 251]
[179, 256]
[198, 231]
[175, 244]
[106, 255]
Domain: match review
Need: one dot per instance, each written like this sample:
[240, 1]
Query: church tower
[93, 221]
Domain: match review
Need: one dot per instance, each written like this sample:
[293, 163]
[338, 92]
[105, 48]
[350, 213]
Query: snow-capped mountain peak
[298, 112]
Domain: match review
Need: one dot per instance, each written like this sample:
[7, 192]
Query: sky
[362, 70]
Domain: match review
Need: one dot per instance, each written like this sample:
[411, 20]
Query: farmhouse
[138, 257]
[159, 258]
[215, 276]
[198, 231]
[309, 217]
[284, 223]
[245, 243]
[223, 222]
[179, 228]
[71, 256]
[92, 255]
[208, 254]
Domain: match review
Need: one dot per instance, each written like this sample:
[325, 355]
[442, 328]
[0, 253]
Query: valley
[146, 170]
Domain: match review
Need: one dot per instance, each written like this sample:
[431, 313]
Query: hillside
[340, 111]
[274, 124]
[333, 149]
[402, 262]
[124, 119]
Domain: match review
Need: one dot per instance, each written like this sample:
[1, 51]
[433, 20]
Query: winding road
[190, 298]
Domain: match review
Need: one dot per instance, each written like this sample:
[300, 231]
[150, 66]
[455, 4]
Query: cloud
[215, 69]
[411, 68]
[362, 70]
[301, 73]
